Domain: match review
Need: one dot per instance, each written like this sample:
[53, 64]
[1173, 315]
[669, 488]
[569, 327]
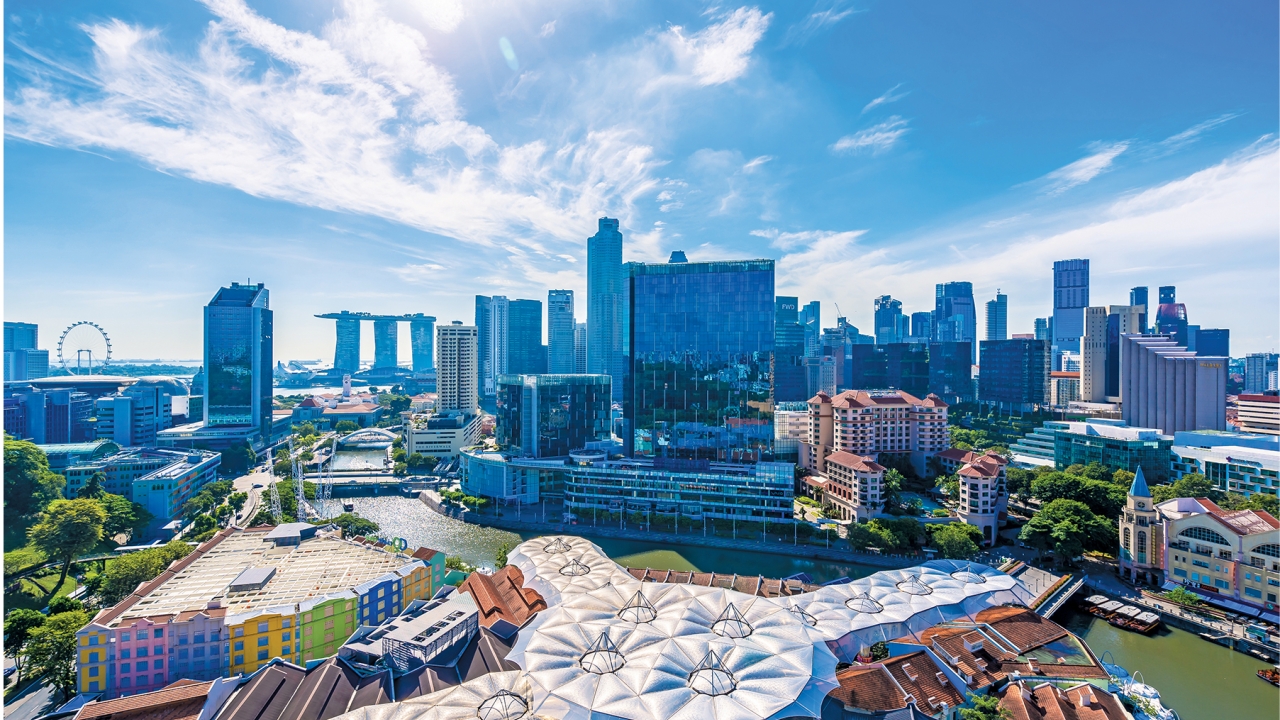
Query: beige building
[867, 423]
[456, 370]
[1259, 414]
[852, 484]
[442, 435]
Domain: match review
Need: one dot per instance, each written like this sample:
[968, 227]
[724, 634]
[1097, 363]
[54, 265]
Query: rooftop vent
[913, 586]
[254, 578]
[711, 677]
[557, 546]
[503, 705]
[804, 615]
[574, 569]
[638, 609]
[602, 657]
[864, 604]
[731, 624]
[967, 575]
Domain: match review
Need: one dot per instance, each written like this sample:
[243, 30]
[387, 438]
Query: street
[36, 700]
[245, 484]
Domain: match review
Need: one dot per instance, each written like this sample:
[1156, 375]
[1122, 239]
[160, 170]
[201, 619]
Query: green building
[1115, 445]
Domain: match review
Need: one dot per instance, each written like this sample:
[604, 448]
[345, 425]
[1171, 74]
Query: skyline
[815, 138]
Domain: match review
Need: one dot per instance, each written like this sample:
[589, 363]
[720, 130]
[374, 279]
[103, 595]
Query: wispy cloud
[548, 29]
[1084, 169]
[890, 95]
[874, 139]
[825, 13]
[1193, 133]
[721, 52]
[753, 164]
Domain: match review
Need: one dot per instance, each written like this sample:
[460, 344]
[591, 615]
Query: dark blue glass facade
[552, 415]
[701, 342]
[525, 352]
[790, 383]
[951, 372]
[893, 366]
[238, 358]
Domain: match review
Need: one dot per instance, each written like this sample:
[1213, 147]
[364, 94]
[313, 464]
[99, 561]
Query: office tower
[456, 377]
[133, 419]
[1015, 374]
[1257, 370]
[811, 319]
[607, 312]
[560, 332]
[545, 416]
[346, 353]
[1165, 386]
[1044, 329]
[891, 326]
[48, 417]
[21, 336]
[1070, 298]
[954, 317]
[998, 317]
[1121, 320]
[922, 326]
[820, 375]
[1093, 356]
[23, 360]
[422, 341]
[1138, 296]
[1171, 316]
[484, 352]
[951, 371]
[580, 348]
[701, 339]
[894, 366]
[238, 344]
[499, 342]
[386, 343]
[1213, 342]
[526, 355]
[790, 379]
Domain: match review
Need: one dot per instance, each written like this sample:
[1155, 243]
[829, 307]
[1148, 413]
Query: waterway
[1197, 678]
[361, 460]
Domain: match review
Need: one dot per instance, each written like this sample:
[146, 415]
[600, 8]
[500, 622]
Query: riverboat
[348, 506]
[1126, 617]
[1271, 675]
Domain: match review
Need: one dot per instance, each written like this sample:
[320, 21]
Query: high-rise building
[133, 419]
[998, 317]
[1014, 374]
[607, 313]
[1044, 329]
[238, 346]
[499, 342]
[484, 345]
[954, 316]
[456, 375]
[23, 359]
[422, 339]
[48, 417]
[951, 371]
[811, 319]
[1171, 316]
[790, 382]
[701, 339]
[346, 353]
[1138, 296]
[560, 332]
[922, 326]
[891, 326]
[1215, 342]
[1093, 356]
[580, 348]
[526, 355]
[386, 343]
[1163, 385]
[1258, 368]
[21, 336]
[1070, 298]
[894, 366]
[1121, 320]
[552, 415]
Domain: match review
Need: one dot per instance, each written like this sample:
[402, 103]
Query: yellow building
[1228, 556]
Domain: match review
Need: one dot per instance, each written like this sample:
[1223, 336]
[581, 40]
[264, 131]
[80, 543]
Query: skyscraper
[560, 332]
[23, 359]
[954, 317]
[891, 326]
[701, 339]
[1171, 316]
[552, 415]
[238, 358]
[1121, 320]
[790, 382]
[1070, 298]
[607, 313]
[1165, 386]
[811, 319]
[1257, 371]
[526, 355]
[499, 342]
[580, 348]
[456, 367]
[484, 344]
[346, 353]
[1014, 373]
[1093, 356]
[998, 317]
[422, 340]
[922, 326]
[1044, 329]
[1214, 342]
[1138, 296]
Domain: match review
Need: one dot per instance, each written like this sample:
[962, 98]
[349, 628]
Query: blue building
[238, 358]
[951, 371]
[891, 326]
[701, 341]
[790, 382]
[552, 415]
[1014, 373]
[606, 305]
[1070, 298]
[525, 352]
[954, 316]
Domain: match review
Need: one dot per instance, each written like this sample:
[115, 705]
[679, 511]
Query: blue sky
[403, 156]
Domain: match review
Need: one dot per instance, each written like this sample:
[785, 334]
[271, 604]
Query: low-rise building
[443, 435]
[1113, 444]
[1041, 700]
[984, 497]
[868, 423]
[1036, 448]
[1259, 413]
[510, 480]
[63, 456]
[162, 480]
[362, 414]
[1235, 462]
[852, 485]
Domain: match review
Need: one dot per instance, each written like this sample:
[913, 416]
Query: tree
[18, 625]
[985, 707]
[1123, 478]
[871, 535]
[62, 603]
[306, 429]
[1191, 485]
[237, 500]
[500, 559]
[1103, 497]
[1018, 481]
[93, 487]
[879, 651]
[1182, 596]
[237, 459]
[1080, 530]
[122, 514]
[890, 488]
[68, 528]
[949, 485]
[51, 650]
[352, 525]
[1097, 471]
[202, 524]
[957, 540]
[29, 485]
[906, 531]
[1256, 501]
[345, 427]
[129, 571]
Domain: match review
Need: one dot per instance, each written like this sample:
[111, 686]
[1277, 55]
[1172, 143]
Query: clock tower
[1141, 535]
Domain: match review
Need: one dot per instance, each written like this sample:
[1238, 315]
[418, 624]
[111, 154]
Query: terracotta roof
[1259, 398]
[862, 399]
[980, 470]
[954, 455]
[1021, 626]
[869, 687]
[502, 596]
[425, 554]
[821, 397]
[1046, 702]
[177, 701]
[855, 462]
[1244, 522]
[982, 664]
[921, 678]
[750, 584]
[1070, 374]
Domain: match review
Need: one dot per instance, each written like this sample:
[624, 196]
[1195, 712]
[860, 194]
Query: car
[258, 486]
[9, 670]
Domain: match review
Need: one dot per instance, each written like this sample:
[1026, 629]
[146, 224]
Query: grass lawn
[34, 590]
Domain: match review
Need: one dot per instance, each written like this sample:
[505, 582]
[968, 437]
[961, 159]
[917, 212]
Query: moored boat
[1271, 675]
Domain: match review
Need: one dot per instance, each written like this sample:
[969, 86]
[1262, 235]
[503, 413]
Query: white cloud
[548, 29]
[753, 164]
[721, 52]
[1193, 133]
[442, 15]
[874, 139]
[1084, 169]
[824, 15]
[889, 96]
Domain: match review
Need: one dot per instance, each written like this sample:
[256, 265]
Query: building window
[263, 641]
[124, 667]
[1253, 593]
[93, 684]
[1205, 534]
[1142, 541]
[1221, 584]
[239, 660]
[142, 652]
[239, 644]
[124, 682]
[262, 627]
[159, 678]
[93, 671]
[142, 665]
[262, 654]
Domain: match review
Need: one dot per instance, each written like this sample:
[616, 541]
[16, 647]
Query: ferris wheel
[82, 347]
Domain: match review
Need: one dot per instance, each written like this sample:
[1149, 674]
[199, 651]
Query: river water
[1198, 679]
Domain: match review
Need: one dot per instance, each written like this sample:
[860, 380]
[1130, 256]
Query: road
[245, 484]
[38, 699]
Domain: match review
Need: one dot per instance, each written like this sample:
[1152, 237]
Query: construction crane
[276, 512]
[325, 491]
[304, 509]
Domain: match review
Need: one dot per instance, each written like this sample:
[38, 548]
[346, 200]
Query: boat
[1130, 617]
[348, 507]
[1271, 675]
[1146, 700]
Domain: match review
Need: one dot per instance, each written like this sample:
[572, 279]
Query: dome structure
[167, 384]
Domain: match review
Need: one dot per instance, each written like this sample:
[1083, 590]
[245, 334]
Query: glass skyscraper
[606, 305]
[891, 326]
[1070, 298]
[811, 318]
[954, 316]
[552, 415]
[790, 382]
[525, 352]
[560, 332]
[998, 317]
[702, 340]
[238, 358]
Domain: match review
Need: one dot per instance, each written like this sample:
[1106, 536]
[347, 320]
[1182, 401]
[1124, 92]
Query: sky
[403, 156]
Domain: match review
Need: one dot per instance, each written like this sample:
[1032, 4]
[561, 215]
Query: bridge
[386, 340]
[368, 439]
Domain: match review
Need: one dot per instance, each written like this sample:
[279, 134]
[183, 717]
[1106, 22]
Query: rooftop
[182, 700]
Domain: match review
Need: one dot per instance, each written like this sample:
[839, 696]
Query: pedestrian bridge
[367, 439]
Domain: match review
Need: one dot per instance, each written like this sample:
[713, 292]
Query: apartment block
[867, 423]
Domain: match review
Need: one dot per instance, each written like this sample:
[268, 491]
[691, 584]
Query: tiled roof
[869, 687]
[921, 678]
[751, 584]
[177, 701]
[863, 399]
[502, 596]
[1046, 702]
[1244, 522]
[1020, 626]
[855, 462]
